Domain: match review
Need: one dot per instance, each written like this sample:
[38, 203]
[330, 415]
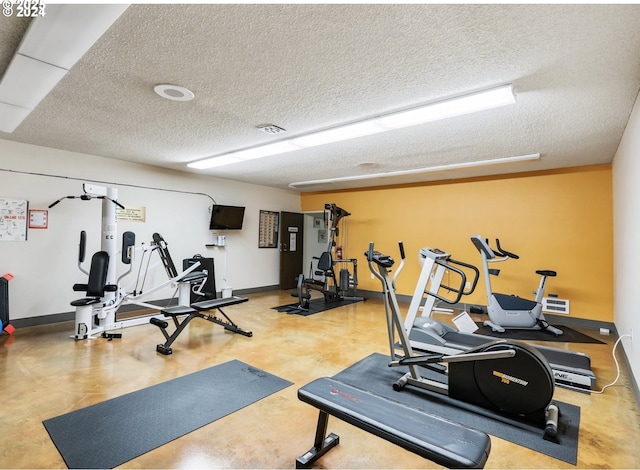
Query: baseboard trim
[551, 318]
[162, 303]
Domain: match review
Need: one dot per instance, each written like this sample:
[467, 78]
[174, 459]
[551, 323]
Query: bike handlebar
[501, 252]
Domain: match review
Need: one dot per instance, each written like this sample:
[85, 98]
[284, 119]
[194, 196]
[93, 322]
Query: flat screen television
[226, 217]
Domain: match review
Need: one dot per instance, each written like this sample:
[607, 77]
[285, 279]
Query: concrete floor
[44, 373]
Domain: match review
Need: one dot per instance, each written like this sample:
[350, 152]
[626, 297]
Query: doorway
[291, 248]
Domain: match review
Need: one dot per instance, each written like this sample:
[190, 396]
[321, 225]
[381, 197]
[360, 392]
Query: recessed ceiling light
[174, 92]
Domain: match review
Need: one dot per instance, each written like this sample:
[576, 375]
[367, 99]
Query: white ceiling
[575, 70]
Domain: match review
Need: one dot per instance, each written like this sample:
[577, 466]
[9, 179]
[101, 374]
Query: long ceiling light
[415, 171]
[51, 46]
[458, 106]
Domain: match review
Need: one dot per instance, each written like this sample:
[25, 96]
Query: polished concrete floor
[44, 373]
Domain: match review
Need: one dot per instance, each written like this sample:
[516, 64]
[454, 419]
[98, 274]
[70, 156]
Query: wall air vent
[555, 305]
[271, 129]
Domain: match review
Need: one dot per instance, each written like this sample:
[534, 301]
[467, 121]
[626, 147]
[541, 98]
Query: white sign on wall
[13, 219]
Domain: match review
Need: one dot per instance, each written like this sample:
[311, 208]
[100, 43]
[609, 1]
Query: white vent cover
[555, 305]
[271, 129]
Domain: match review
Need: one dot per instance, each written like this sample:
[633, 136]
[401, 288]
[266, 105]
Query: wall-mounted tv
[226, 217]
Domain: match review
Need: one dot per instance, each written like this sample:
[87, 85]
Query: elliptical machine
[510, 378]
[509, 311]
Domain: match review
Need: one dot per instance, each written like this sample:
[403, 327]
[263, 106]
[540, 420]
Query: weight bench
[196, 310]
[437, 439]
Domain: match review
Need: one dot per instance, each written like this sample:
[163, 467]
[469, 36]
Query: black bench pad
[218, 303]
[437, 439]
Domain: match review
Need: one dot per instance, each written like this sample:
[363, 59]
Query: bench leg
[228, 325]
[166, 347]
[321, 445]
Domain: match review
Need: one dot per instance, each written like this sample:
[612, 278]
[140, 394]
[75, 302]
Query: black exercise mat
[115, 431]
[315, 306]
[568, 335]
[373, 374]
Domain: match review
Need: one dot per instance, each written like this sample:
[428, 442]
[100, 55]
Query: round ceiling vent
[174, 92]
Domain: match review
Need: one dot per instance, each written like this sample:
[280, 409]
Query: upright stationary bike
[510, 378]
[509, 311]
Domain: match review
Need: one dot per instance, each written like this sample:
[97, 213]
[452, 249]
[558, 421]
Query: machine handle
[86, 197]
[506, 253]
[369, 254]
[55, 203]
[401, 245]
[476, 274]
[82, 246]
[378, 258]
[458, 290]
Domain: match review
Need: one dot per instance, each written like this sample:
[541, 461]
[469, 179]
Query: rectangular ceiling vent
[555, 305]
[271, 129]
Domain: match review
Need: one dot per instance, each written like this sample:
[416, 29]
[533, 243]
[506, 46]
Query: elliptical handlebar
[402, 261]
[378, 258]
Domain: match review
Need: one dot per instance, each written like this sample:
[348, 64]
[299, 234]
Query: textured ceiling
[575, 70]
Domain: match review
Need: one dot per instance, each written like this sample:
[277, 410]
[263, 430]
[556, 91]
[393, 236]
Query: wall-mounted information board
[268, 237]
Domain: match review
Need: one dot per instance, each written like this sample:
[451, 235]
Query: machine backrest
[98, 274]
[325, 263]
[165, 256]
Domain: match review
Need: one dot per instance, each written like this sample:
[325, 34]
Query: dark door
[291, 240]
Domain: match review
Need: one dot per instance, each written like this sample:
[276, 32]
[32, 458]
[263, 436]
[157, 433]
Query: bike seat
[546, 272]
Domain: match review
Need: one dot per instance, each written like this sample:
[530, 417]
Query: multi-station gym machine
[96, 313]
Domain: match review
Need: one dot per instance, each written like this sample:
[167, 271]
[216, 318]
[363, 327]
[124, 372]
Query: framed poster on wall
[268, 226]
[13, 219]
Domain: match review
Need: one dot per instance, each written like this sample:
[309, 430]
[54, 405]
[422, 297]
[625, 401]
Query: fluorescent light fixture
[471, 103]
[220, 161]
[29, 82]
[265, 150]
[67, 32]
[11, 116]
[415, 171]
[336, 134]
[51, 46]
[468, 104]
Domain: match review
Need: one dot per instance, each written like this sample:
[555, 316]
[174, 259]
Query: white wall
[45, 266]
[311, 246]
[626, 233]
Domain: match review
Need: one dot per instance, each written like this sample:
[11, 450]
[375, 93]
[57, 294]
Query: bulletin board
[268, 237]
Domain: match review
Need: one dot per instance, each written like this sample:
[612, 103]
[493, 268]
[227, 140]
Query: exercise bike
[508, 379]
[427, 334]
[509, 311]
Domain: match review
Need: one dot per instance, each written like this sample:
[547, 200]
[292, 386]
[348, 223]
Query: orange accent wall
[560, 220]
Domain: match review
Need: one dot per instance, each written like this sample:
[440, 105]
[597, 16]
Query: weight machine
[323, 279]
[96, 312]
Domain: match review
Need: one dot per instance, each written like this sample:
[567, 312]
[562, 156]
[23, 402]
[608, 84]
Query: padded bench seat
[196, 310]
[437, 439]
